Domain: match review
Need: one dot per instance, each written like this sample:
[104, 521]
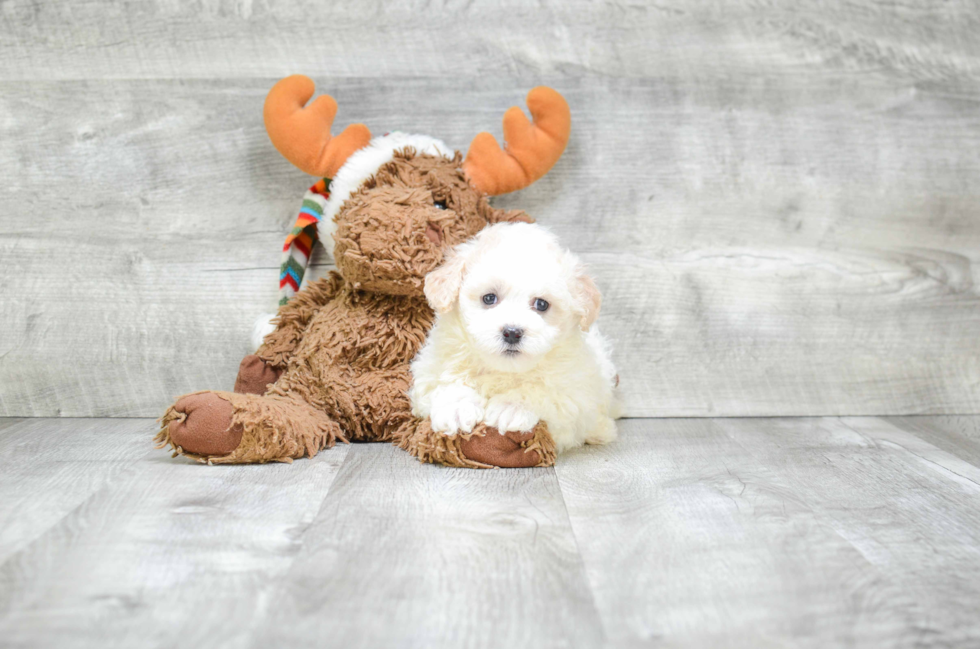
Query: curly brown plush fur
[484, 448]
[342, 346]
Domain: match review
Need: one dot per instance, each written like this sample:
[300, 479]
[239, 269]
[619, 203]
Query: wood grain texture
[167, 553]
[8, 422]
[799, 532]
[779, 201]
[411, 555]
[688, 540]
[48, 468]
[908, 507]
[957, 435]
[240, 38]
[768, 532]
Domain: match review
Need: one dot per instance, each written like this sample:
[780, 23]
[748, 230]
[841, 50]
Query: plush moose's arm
[293, 317]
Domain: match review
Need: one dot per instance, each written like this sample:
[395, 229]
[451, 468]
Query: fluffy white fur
[362, 164]
[263, 327]
[560, 372]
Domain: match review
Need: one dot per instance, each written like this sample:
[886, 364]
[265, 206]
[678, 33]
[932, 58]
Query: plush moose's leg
[229, 428]
[255, 375]
[294, 316]
[512, 449]
[484, 448]
[202, 422]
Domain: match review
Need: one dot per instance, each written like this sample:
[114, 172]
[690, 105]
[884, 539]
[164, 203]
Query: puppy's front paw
[509, 416]
[459, 411]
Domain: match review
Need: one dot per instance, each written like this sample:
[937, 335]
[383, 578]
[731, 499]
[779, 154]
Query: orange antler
[302, 135]
[530, 149]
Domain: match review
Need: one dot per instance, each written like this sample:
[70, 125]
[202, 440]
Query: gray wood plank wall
[781, 200]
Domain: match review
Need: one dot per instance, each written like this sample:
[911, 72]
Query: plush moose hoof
[205, 427]
[483, 448]
[509, 451]
[255, 375]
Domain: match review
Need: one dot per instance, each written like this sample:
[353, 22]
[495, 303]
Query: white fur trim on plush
[363, 164]
[263, 327]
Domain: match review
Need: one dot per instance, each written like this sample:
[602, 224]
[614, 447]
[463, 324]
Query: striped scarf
[299, 243]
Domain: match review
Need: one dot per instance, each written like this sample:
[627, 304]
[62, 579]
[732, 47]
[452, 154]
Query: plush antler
[302, 135]
[530, 150]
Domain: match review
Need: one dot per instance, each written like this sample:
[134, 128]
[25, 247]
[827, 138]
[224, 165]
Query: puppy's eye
[440, 205]
[540, 305]
[490, 299]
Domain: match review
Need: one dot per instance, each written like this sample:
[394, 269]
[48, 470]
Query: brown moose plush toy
[336, 365]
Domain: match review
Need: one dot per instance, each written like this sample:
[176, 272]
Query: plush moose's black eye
[541, 305]
[490, 299]
[440, 205]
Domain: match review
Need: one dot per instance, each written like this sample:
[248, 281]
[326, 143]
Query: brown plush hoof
[205, 428]
[484, 448]
[508, 450]
[255, 375]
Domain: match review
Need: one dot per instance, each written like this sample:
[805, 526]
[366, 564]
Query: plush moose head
[397, 202]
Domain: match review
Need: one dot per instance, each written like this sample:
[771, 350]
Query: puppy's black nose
[512, 335]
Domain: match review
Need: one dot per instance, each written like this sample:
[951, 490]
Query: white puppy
[513, 342]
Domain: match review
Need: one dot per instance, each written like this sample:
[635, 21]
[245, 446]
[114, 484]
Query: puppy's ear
[587, 298]
[442, 284]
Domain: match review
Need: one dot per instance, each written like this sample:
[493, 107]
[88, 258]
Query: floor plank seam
[578, 551]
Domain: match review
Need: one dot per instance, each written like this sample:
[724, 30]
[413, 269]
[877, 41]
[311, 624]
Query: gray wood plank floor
[811, 532]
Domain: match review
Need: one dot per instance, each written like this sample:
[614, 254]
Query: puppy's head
[517, 292]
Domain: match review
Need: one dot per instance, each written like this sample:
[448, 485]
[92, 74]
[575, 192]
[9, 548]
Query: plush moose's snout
[398, 226]
[389, 250]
